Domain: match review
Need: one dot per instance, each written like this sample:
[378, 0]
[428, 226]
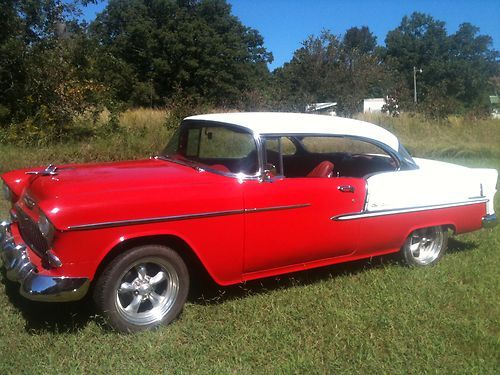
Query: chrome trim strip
[276, 208]
[367, 214]
[202, 215]
[153, 220]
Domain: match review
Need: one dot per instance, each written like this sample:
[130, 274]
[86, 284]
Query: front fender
[221, 253]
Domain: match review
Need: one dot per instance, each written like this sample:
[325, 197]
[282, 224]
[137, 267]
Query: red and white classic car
[244, 195]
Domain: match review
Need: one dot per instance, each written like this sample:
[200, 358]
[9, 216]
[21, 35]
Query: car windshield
[215, 146]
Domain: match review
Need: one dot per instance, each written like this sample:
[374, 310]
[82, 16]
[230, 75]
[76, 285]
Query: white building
[373, 105]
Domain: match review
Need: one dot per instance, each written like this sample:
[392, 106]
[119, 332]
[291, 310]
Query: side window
[287, 146]
[350, 157]
[275, 149]
[193, 142]
[325, 145]
[272, 156]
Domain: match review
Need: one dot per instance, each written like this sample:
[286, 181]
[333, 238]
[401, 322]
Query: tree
[455, 68]
[327, 68]
[40, 80]
[359, 40]
[472, 63]
[155, 49]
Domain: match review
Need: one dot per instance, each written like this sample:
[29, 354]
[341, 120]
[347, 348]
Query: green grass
[362, 317]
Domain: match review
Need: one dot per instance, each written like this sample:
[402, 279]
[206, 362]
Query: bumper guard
[489, 221]
[34, 286]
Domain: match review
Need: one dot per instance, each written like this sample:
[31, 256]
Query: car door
[288, 221]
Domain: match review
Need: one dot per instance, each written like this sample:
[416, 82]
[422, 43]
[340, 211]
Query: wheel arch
[447, 225]
[180, 246]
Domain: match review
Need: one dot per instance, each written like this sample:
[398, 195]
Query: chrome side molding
[397, 211]
[200, 215]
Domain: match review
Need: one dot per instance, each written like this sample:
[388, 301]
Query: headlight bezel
[46, 227]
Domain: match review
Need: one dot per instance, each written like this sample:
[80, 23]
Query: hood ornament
[51, 170]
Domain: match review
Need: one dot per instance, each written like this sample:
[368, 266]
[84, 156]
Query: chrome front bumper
[34, 286]
[489, 221]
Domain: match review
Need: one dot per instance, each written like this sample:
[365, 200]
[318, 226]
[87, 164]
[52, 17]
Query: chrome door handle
[346, 188]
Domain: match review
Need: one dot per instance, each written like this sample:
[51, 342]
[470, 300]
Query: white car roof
[272, 123]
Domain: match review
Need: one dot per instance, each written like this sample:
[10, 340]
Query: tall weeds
[459, 137]
[141, 133]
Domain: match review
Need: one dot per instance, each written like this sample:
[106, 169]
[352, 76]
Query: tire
[142, 289]
[425, 247]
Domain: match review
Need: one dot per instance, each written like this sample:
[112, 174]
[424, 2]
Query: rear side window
[287, 146]
[350, 157]
[326, 145]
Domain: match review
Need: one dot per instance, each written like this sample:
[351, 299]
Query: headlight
[46, 227]
[7, 193]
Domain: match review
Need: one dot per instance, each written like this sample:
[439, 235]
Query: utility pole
[415, 70]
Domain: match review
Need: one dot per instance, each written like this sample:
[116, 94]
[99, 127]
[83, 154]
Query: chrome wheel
[147, 290]
[425, 246]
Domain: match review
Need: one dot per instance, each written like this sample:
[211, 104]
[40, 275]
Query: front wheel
[143, 288]
[424, 247]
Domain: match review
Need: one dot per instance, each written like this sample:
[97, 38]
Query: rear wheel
[143, 288]
[424, 247]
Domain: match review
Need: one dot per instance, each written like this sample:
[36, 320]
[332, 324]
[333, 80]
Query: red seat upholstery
[323, 169]
[220, 167]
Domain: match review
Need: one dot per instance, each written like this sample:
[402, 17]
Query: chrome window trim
[259, 143]
[201, 215]
[397, 211]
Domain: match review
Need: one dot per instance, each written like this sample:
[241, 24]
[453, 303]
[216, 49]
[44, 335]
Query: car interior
[291, 156]
[307, 164]
[317, 157]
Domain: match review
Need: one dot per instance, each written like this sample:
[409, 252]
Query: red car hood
[82, 179]
[97, 193]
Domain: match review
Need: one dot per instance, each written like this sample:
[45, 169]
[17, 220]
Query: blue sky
[284, 24]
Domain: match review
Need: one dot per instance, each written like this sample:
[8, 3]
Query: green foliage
[458, 69]
[327, 68]
[152, 48]
[45, 72]
[190, 56]
[54, 71]
[451, 136]
[455, 68]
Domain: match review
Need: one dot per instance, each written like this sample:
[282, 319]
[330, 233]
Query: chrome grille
[30, 233]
